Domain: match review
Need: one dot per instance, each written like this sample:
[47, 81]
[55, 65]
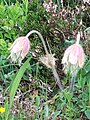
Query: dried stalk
[56, 76]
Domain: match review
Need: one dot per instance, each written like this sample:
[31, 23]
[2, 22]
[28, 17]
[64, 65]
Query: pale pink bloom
[74, 55]
[19, 49]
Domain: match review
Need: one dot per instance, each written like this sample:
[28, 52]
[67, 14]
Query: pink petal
[73, 59]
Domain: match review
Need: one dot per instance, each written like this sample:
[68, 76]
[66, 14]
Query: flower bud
[19, 49]
[73, 58]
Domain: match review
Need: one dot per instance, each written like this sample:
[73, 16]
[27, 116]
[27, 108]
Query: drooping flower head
[19, 49]
[74, 57]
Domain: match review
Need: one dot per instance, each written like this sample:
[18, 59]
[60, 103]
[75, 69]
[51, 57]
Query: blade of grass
[16, 82]
[89, 92]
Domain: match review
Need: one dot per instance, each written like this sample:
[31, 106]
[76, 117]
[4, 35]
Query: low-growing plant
[12, 19]
[18, 54]
[28, 92]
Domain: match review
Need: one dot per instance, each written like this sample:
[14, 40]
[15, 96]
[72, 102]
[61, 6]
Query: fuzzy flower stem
[72, 84]
[42, 39]
[56, 76]
[78, 38]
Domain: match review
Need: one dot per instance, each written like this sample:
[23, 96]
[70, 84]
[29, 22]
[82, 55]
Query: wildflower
[19, 49]
[73, 57]
[2, 109]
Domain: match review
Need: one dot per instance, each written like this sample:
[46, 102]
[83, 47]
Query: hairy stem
[57, 79]
[78, 38]
[72, 81]
[42, 39]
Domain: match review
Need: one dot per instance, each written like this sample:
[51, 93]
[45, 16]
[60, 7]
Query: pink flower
[73, 58]
[19, 49]
[74, 54]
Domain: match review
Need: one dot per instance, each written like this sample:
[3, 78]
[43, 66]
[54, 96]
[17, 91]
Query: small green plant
[3, 47]
[13, 18]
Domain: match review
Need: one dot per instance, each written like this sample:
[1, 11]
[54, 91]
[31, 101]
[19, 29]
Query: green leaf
[7, 110]
[2, 10]
[87, 113]
[56, 114]
[87, 66]
[46, 111]
[15, 83]
[68, 96]
[37, 101]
